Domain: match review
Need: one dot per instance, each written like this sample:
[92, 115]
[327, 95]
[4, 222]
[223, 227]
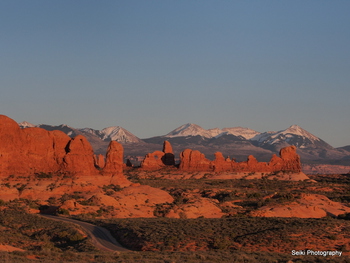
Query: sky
[152, 66]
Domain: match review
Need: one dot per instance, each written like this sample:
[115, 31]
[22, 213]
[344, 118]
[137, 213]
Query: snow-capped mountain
[25, 124]
[115, 133]
[294, 135]
[241, 131]
[191, 129]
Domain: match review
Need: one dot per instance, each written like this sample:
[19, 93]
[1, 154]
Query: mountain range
[236, 142]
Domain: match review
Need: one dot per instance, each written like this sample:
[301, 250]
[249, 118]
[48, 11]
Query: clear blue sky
[151, 66]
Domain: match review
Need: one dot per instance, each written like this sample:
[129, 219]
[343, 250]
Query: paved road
[100, 236]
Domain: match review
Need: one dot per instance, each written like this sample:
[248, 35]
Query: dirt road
[100, 236]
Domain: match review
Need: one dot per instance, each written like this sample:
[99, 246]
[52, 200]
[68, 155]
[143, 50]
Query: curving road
[100, 236]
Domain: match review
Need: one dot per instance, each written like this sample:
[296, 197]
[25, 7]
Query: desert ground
[171, 220]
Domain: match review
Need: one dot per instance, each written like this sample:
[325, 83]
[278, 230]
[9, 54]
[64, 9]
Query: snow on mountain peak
[297, 130]
[117, 133]
[189, 129]
[25, 124]
[240, 131]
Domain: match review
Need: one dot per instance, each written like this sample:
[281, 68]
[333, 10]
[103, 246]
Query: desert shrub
[52, 200]
[224, 196]
[21, 187]
[86, 202]
[220, 234]
[42, 175]
[63, 211]
[113, 187]
[254, 195]
[51, 186]
[345, 216]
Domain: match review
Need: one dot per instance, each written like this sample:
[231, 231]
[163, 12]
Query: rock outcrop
[153, 161]
[158, 159]
[193, 160]
[168, 158]
[114, 164]
[79, 158]
[307, 206]
[34, 150]
[114, 158]
[289, 161]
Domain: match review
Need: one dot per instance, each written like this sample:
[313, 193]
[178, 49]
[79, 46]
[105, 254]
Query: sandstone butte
[35, 150]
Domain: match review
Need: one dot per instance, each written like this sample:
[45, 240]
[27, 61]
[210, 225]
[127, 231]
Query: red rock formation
[196, 161]
[158, 159]
[153, 161]
[167, 148]
[80, 157]
[193, 160]
[114, 158]
[43, 151]
[168, 158]
[34, 150]
[220, 164]
[29, 150]
[291, 160]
